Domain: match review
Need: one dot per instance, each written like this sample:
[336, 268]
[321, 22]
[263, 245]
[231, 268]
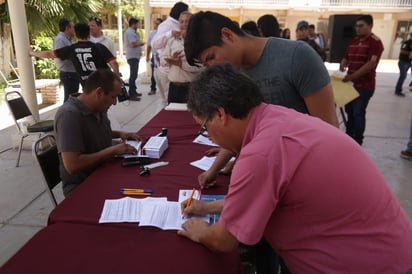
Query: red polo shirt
[358, 53]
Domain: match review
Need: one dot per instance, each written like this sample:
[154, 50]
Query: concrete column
[147, 28]
[21, 42]
[120, 27]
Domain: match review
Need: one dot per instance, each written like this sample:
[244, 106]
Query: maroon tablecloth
[74, 242]
[75, 248]
[85, 204]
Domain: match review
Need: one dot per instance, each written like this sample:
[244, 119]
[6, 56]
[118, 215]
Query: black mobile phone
[138, 160]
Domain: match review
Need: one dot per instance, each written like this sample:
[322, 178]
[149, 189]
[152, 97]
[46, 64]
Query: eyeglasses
[203, 129]
[96, 19]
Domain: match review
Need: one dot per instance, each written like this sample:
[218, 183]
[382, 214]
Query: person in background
[168, 28]
[67, 72]
[361, 59]
[286, 34]
[268, 26]
[407, 153]
[133, 53]
[97, 36]
[83, 132]
[404, 64]
[317, 37]
[85, 55]
[180, 73]
[154, 59]
[251, 28]
[302, 34]
[322, 214]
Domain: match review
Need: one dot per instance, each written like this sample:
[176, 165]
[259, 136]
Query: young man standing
[361, 59]
[404, 63]
[67, 72]
[133, 52]
[85, 55]
[154, 59]
[289, 73]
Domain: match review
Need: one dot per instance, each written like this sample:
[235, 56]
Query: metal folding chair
[46, 155]
[20, 111]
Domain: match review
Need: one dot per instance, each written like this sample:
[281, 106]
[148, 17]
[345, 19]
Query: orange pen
[190, 197]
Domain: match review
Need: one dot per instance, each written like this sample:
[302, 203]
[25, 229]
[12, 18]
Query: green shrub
[44, 68]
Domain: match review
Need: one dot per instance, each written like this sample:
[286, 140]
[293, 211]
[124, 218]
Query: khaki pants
[162, 84]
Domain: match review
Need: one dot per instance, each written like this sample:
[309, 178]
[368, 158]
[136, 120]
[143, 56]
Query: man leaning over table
[321, 213]
[83, 132]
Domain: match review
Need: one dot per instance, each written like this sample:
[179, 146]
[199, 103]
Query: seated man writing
[83, 132]
[319, 212]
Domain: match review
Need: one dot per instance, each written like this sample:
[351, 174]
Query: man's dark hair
[103, 78]
[177, 9]
[223, 86]
[269, 25]
[133, 21]
[312, 26]
[82, 30]
[96, 19]
[367, 18]
[64, 23]
[204, 31]
[251, 28]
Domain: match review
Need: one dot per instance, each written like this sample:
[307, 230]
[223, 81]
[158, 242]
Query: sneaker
[400, 94]
[134, 98]
[138, 94]
[406, 154]
[152, 92]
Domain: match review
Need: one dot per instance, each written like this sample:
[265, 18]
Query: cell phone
[136, 161]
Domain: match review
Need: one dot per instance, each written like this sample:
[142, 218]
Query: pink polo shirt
[316, 196]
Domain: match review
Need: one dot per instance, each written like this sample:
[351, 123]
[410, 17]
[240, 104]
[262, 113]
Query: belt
[184, 84]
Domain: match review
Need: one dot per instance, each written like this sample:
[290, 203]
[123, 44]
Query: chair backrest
[45, 152]
[17, 106]
[11, 83]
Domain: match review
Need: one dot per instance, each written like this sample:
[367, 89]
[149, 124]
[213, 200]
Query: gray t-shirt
[287, 71]
[78, 130]
[60, 41]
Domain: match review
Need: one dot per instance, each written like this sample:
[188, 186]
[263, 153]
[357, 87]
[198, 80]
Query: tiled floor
[24, 206]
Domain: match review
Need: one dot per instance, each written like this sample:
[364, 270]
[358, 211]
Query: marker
[136, 193]
[136, 190]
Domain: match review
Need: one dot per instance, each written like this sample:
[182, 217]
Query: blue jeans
[356, 112]
[152, 79]
[403, 70]
[134, 68]
[71, 82]
[409, 146]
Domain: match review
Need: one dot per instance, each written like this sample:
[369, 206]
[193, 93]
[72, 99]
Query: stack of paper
[155, 147]
[176, 106]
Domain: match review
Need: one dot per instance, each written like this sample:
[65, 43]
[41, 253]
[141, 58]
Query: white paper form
[124, 210]
[204, 141]
[165, 215]
[205, 163]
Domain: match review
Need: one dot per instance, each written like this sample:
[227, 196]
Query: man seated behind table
[321, 213]
[83, 132]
